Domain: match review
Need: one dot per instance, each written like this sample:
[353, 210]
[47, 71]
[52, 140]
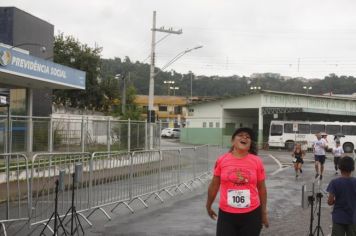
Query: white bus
[287, 133]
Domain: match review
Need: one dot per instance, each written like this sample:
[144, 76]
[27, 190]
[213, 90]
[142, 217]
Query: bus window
[315, 128]
[303, 128]
[348, 130]
[276, 130]
[288, 128]
[332, 129]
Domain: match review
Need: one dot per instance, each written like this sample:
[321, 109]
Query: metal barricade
[170, 170]
[45, 169]
[110, 180]
[145, 177]
[14, 185]
[188, 164]
[201, 156]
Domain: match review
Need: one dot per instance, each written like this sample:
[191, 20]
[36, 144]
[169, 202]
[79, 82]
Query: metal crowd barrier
[45, 170]
[108, 179]
[14, 185]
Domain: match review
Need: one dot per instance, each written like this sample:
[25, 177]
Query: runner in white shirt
[319, 155]
[338, 153]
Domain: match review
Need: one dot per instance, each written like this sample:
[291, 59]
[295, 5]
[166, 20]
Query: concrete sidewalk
[186, 214]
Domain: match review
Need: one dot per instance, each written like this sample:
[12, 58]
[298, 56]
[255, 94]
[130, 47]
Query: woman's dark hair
[253, 146]
[346, 164]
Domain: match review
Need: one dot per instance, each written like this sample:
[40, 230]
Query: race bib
[238, 198]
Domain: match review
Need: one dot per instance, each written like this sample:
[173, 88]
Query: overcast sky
[309, 38]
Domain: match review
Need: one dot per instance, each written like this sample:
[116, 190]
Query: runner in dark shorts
[320, 158]
[319, 147]
[298, 155]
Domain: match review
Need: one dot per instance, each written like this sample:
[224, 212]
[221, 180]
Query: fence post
[207, 158]
[82, 135]
[7, 166]
[108, 137]
[179, 164]
[146, 135]
[129, 136]
[90, 179]
[160, 170]
[194, 163]
[50, 135]
[159, 133]
[131, 174]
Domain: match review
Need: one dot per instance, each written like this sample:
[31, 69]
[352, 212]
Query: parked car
[170, 133]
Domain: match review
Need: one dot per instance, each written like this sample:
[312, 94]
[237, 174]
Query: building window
[217, 124]
[211, 124]
[230, 128]
[162, 108]
[191, 110]
[204, 124]
[178, 110]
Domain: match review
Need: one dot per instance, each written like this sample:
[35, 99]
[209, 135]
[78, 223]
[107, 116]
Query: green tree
[133, 112]
[69, 51]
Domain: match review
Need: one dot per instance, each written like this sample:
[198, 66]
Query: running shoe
[300, 170]
[321, 177]
[317, 175]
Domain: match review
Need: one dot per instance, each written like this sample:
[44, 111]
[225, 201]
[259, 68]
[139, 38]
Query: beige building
[170, 110]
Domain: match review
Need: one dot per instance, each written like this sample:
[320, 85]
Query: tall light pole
[123, 99]
[307, 88]
[168, 82]
[191, 86]
[174, 89]
[151, 113]
[255, 88]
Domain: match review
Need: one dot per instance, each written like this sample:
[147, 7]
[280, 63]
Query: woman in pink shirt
[240, 177]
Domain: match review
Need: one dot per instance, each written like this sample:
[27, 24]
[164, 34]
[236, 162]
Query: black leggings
[239, 224]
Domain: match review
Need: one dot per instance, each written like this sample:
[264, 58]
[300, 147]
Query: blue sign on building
[21, 64]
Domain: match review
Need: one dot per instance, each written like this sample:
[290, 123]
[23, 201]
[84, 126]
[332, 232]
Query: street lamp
[179, 55]
[150, 113]
[307, 88]
[42, 47]
[255, 88]
[168, 82]
[123, 102]
[174, 89]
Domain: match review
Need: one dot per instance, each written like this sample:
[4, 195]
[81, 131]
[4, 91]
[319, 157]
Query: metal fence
[108, 179]
[14, 186]
[75, 134]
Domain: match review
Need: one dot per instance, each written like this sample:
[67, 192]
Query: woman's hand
[211, 213]
[265, 221]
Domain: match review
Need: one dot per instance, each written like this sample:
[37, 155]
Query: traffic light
[151, 117]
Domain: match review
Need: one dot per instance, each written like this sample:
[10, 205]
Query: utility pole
[151, 112]
[191, 86]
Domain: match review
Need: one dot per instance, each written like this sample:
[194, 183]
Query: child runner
[337, 152]
[298, 155]
[342, 194]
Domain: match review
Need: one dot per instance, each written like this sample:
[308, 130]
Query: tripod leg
[47, 224]
[69, 210]
[78, 222]
[322, 232]
[61, 225]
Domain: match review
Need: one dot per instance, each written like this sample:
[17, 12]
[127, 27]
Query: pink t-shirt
[238, 182]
